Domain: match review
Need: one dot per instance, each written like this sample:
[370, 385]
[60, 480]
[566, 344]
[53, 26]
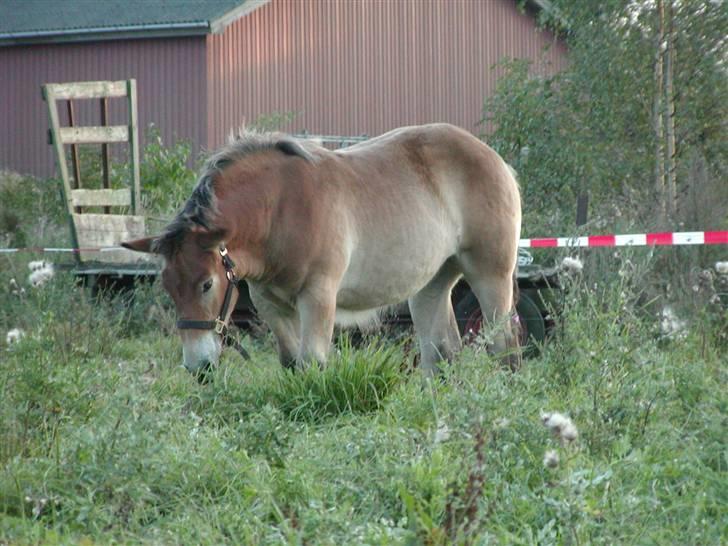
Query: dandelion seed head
[721, 268]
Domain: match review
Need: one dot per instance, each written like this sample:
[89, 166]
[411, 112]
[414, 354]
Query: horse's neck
[247, 233]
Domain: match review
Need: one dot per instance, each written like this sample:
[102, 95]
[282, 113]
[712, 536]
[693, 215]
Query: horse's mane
[201, 207]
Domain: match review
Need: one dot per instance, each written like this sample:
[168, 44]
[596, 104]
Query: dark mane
[201, 207]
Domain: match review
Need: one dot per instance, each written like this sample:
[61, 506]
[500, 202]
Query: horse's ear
[140, 245]
[292, 147]
[210, 238]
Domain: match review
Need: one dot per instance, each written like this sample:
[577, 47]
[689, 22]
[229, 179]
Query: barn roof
[42, 21]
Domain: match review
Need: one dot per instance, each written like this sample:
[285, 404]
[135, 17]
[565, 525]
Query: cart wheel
[470, 320]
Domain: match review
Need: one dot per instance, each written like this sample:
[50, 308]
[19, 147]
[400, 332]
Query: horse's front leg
[282, 319]
[317, 313]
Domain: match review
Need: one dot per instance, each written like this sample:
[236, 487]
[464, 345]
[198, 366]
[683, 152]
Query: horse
[327, 238]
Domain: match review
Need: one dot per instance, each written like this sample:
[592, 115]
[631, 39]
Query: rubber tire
[467, 312]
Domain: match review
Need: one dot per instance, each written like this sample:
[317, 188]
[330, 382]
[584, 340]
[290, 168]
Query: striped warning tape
[635, 239]
[61, 250]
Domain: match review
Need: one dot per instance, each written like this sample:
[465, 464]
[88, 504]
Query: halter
[220, 323]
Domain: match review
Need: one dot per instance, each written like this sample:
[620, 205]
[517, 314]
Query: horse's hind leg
[434, 319]
[494, 290]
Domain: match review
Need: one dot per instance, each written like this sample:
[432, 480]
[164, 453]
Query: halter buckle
[220, 326]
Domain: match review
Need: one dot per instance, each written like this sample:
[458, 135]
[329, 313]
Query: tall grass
[105, 439]
[354, 381]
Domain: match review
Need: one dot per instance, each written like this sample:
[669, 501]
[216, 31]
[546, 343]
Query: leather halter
[220, 323]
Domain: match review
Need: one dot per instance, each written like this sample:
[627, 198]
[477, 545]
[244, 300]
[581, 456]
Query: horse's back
[418, 196]
[437, 174]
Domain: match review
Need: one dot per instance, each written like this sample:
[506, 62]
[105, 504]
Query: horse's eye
[207, 285]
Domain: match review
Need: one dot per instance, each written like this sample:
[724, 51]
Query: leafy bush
[166, 174]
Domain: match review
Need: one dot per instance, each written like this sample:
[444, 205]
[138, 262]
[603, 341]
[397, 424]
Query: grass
[105, 439]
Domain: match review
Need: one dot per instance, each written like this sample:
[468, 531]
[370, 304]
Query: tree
[643, 99]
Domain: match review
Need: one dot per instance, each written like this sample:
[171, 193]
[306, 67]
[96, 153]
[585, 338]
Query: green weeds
[105, 439]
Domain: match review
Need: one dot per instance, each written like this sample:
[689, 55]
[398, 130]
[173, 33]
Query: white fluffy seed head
[721, 268]
[501, 422]
[36, 265]
[551, 459]
[41, 276]
[670, 325]
[442, 434]
[14, 336]
[572, 265]
[569, 432]
[560, 425]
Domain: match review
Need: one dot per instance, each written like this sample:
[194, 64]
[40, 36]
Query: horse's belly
[390, 276]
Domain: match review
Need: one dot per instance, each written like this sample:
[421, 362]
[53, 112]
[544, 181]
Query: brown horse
[327, 238]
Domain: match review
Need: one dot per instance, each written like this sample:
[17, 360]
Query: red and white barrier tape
[635, 239]
[61, 250]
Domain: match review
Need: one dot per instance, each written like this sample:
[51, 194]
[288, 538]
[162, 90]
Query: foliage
[275, 121]
[166, 174]
[32, 211]
[105, 439]
[590, 127]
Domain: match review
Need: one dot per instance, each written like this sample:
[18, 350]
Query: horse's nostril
[204, 374]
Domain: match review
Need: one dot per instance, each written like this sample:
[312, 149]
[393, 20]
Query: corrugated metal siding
[171, 92]
[348, 66]
[367, 66]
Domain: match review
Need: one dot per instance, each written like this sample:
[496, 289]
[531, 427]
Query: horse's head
[195, 278]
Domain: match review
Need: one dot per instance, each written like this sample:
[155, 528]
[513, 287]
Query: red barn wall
[347, 66]
[171, 92]
[367, 66]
